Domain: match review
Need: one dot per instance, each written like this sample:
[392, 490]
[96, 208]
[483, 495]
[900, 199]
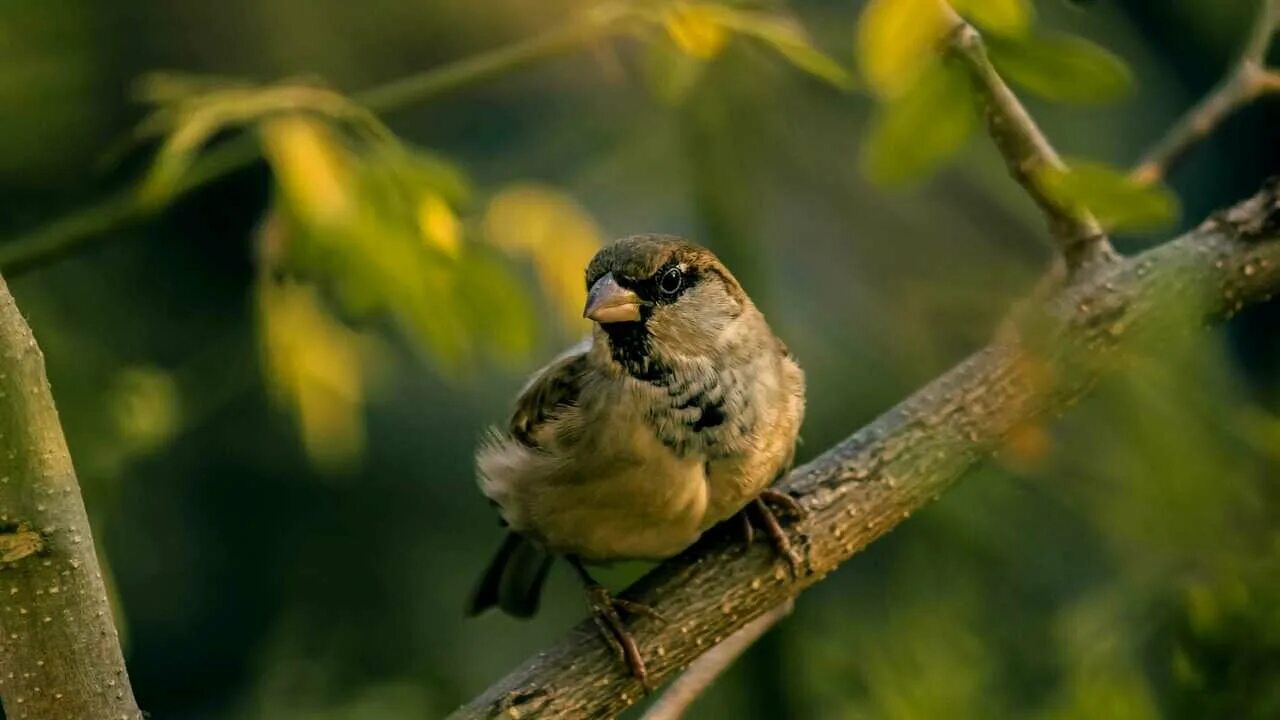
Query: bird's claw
[604, 610]
[641, 609]
[786, 505]
[784, 502]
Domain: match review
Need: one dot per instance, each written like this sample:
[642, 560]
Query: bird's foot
[764, 506]
[605, 611]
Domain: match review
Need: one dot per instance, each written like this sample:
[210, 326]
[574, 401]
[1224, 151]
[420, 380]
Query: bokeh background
[272, 392]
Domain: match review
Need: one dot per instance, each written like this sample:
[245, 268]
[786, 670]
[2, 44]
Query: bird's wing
[552, 390]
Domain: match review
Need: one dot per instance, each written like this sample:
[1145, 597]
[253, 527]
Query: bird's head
[660, 296]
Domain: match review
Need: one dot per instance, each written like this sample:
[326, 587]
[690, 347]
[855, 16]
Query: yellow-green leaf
[1063, 68]
[439, 225]
[494, 298]
[896, 40]
[313, 368]
[911, 135]
[311, 167]
[555, 233]
[788, 39]
[147, 407]
[696, 29]
[670, 73]
[999, 17]
[1116, 200]
[192, 111]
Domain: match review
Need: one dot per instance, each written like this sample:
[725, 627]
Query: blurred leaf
[439, 225]
[312, 170]
[913, 134]
[701, 30]
[146, 405]
[190, 111]
[313, 368]
[788, 38]
[1110, 688]
[671, 74]
[697, 29]
[376, 225]
[896, 40]
[1026, 449]
[495, 300]
[1000, 17]
[1118, 202]
[1062, 68]
[555, 233]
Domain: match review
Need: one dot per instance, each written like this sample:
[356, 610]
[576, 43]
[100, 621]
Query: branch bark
[1248, 79]
[704, 670]
[863, 487]
[1080, 239]
[59, 653]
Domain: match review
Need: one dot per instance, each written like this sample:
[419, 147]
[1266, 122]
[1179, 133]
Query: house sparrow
[676, 414]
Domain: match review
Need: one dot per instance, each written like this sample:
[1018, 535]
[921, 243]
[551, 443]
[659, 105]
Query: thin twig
[70, 232]
[1248, 79]
[1027, 152]
[675, 702]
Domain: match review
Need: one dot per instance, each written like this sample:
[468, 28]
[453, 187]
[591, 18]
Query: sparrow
[676, 414]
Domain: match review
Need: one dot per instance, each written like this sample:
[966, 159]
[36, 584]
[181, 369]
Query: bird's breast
[708, 410]
[630, 497]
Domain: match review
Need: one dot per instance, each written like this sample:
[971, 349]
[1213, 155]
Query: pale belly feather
[622, 488]
[635, 501]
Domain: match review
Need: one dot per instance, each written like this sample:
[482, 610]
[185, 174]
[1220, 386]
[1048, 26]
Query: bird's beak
[609, 302]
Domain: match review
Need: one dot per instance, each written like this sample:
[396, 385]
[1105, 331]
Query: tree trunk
[59, 652]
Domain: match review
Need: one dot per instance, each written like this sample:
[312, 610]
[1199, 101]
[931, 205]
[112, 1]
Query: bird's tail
[513, 581]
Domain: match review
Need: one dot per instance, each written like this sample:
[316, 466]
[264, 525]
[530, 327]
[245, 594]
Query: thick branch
[1249, 78]
[68, 233]
[1027, 152]
[860, 489]
[59, 654]
[704, 670]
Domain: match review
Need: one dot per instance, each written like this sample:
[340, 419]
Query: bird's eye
[671, 281]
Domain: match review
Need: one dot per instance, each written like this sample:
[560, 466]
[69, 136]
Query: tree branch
[59, 653]
[704, 670]
[1027, 151]
[1248, 80]
[70, 232]
[863, 487]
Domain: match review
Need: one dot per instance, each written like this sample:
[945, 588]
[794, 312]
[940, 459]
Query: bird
[676, 414]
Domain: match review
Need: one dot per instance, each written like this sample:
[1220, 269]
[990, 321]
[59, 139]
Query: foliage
[697, 32]
[932, 119]
[1120, 563]
[1115, 199]
[1062, 68]
[924, 118]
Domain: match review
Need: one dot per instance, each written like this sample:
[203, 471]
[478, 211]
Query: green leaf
[896, 40]
[1062, 68]
[191, 110]
[790, 41]
[915, 133]
[697, 29]
[1000, 17]
[1116, 200]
